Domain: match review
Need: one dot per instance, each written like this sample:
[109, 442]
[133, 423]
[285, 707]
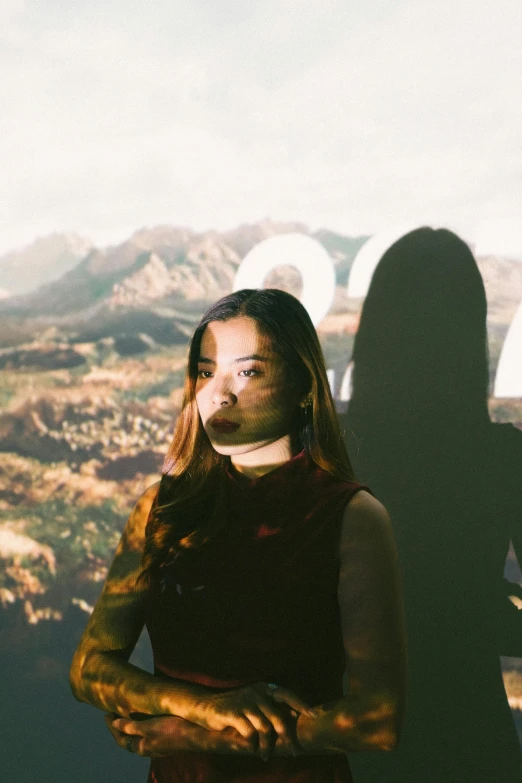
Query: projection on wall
[317, 272]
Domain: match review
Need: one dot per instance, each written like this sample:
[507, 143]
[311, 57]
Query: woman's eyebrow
[206, 360]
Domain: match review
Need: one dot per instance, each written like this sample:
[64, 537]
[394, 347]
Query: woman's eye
[207, 373]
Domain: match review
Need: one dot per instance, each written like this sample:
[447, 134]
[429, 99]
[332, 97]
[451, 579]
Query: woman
[261, 569]
[421, 435]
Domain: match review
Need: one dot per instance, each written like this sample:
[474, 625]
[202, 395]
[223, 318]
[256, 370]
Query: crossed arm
[368, 716]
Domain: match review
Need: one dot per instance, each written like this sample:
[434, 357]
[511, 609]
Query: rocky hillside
[46, 259]
[148, 290]
[162, 264]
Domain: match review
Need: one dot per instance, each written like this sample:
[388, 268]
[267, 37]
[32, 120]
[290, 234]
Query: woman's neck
[256, 462]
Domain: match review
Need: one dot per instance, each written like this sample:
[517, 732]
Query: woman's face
[242, 381]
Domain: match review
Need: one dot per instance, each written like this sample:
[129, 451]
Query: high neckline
[272, 476]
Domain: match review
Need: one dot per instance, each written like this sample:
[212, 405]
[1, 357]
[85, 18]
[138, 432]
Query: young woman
[262, 570]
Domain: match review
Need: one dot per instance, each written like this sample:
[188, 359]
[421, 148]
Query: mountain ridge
[192, 266]
[48, 258]
[156, 284]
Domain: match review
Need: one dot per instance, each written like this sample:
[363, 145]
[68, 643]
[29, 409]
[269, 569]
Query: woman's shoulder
[364, 499]
[146, 499]
[141, 512]
[150, 493]
[363, 508]
[366, 528]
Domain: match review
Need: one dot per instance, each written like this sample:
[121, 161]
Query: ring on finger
[272, 687]
[128, 744]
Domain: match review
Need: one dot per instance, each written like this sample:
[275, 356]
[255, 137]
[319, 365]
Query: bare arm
[100, 672]
[369, 715]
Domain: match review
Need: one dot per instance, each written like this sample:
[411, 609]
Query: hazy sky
[349, 115]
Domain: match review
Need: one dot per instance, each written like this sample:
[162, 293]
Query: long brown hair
[186, 514]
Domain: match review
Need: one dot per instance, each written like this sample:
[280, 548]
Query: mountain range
[156, 283]
[46, 259]
[152, 288]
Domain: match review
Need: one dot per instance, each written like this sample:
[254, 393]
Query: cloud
[355, 118]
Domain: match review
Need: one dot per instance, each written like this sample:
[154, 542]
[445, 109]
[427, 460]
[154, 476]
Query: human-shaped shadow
[418, 432]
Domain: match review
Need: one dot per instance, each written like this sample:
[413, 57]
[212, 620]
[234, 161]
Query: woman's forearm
[353, 723]
[167, 735]
[110, 683]
[340, 728]
[337, 729]
[190, 737]
[347, 725]
[231, 742]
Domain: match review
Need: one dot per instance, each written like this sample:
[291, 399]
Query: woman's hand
[256, 712]
[151, 737]
[163, 735]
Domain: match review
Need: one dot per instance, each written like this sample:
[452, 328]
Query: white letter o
[306, 255]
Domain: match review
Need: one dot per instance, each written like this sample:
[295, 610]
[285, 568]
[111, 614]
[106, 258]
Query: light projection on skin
[306, 255]
[508, 378]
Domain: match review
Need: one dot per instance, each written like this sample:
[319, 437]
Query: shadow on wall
[418, 432]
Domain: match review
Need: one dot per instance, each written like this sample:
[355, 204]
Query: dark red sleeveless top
[259, 603]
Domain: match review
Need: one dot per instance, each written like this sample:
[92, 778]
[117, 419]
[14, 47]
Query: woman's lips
[224, 425]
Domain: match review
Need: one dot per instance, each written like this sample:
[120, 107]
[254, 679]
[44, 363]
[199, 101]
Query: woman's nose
[222, 394]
